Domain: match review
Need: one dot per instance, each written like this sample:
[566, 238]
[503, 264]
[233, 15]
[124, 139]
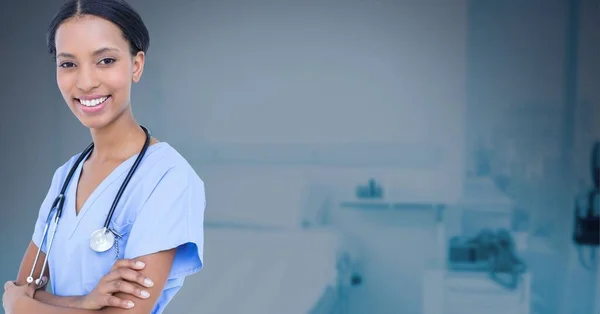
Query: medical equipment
[102, 239]
[370, 191]
[587, 226]
[492, 252]
[586, 229]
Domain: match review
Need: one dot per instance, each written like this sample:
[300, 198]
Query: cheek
[118, 82]
[121, 75]
[65, 83]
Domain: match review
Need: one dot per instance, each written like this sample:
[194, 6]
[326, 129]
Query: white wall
[315, 71]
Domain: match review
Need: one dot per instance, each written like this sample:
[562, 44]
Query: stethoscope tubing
[57, 205]
[128, 178]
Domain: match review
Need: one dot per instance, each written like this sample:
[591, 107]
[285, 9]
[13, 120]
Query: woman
[99, 47]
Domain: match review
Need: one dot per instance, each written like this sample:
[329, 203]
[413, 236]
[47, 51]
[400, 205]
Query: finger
[121, 273]
[8, 285]
[117, 302]
[128, 288]
[133, 276]
[128, 263]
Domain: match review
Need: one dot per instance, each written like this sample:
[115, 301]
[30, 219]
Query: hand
[123, 277]
[12, 293]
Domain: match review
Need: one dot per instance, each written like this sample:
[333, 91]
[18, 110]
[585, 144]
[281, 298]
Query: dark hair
[116, 11]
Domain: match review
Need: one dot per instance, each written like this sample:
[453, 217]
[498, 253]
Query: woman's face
[95, 69]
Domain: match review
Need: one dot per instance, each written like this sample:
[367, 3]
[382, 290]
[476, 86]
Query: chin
[94, 123]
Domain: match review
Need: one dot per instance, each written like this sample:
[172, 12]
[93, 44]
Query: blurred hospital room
[359, 157]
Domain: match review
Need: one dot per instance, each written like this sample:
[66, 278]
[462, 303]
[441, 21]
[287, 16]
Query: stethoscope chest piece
[102, 240]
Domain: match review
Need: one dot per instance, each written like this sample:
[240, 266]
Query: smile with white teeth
[93, 102]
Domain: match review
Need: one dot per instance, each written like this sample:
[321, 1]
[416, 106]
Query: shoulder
[169, 167]
[169, 179]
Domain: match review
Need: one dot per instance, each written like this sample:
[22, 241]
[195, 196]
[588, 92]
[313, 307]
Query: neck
[118, 140]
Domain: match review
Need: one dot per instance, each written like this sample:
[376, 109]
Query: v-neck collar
[121, 169]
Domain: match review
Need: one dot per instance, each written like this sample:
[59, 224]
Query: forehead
[87, 33]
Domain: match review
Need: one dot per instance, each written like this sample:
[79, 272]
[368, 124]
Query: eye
[66, 65]
[107, 61]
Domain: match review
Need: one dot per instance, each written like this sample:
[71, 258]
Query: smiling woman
[118, 239]
[97, 64]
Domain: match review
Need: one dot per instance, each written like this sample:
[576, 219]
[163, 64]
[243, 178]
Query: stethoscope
[102, 239]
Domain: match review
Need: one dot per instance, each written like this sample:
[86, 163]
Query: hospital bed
[262, 271]
[257, 257]
[260, 256]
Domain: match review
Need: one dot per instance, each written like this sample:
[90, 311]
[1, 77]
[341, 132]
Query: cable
[582, 259]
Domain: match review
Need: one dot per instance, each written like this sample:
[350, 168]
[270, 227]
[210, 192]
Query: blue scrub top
[161, 208]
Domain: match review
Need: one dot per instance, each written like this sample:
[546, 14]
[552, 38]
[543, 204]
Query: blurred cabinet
[448, 292]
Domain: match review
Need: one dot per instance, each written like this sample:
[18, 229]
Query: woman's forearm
[51, 299]
[27, 305]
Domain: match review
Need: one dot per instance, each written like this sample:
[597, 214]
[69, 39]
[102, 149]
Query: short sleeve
[44, 210]
[172, 217]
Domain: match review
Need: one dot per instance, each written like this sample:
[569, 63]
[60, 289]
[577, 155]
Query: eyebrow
[95, 53]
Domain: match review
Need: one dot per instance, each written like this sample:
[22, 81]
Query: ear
[138, 66]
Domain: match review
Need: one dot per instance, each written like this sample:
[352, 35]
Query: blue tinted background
[467, 114]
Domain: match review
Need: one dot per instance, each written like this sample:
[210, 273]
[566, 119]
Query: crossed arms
[124, 283]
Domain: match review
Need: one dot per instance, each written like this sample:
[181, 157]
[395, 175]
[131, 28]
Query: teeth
[93, 102]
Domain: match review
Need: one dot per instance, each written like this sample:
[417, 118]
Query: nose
[87, 79]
